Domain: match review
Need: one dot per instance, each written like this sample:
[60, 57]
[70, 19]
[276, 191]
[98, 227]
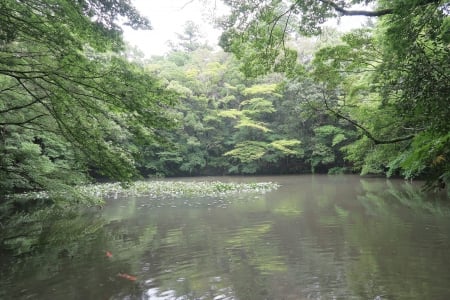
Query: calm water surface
[316, 237]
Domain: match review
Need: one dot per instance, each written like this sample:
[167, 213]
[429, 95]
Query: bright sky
[168, 17]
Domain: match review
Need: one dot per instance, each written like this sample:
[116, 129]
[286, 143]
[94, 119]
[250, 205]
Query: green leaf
[248, 151]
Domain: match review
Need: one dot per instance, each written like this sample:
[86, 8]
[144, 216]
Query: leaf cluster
[69, 105]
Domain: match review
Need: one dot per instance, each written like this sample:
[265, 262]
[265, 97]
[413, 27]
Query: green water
[316, 237]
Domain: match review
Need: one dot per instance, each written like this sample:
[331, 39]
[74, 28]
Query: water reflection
[317, 237]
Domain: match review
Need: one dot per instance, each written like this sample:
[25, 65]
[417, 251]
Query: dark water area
[316, 237]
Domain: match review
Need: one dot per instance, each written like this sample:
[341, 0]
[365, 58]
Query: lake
[316, 237]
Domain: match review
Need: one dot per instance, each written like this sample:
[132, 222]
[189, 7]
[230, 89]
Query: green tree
[255, 145]
[70, 104]
[390, 82]
[400, 136]
[190, 39]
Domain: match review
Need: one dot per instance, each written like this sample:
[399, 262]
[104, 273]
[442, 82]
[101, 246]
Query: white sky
[168, 17]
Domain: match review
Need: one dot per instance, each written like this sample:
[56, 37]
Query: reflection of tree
[333, 237]
[42, 245]
[361, 247]
[409, 196]
[311, 244]
[63, 253]
[395, 243]
[191, 258]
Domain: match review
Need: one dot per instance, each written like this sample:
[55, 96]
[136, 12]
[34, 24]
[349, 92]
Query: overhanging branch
[22, 122]
[367, 13]
[9, 109]
[365, 130]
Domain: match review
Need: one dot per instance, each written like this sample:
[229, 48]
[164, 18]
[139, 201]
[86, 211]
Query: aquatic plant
[176, 188]
[163, 189]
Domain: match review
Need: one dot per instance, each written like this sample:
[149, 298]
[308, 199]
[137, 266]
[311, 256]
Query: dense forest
[285, 95]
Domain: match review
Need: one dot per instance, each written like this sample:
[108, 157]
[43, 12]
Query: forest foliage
[389, 81]
[71, 105]
[292, 97]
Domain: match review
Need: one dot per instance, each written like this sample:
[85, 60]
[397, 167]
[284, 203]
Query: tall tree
[190, 39]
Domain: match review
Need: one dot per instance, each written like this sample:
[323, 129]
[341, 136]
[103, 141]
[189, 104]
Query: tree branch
[366, 131]
[22, 122]
[367, 13]
[20, 106]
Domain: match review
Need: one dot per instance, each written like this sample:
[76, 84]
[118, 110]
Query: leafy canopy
[69, 102]
[390, 81]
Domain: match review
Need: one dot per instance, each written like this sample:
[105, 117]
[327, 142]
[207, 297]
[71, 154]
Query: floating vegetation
[164, 189]
[156, 189]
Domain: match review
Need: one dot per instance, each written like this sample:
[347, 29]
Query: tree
[255, 145]
[401, 67]
[69, 102]
[394, 92]
[189, 40]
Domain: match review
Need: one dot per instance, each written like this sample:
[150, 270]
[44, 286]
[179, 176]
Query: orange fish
[109, 254]
[127, 276]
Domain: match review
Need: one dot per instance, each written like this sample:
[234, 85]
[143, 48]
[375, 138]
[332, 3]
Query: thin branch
[186, 4]
[420, 46]
[9, 88]
[277, 18]
[285, 29]
[22, 74]
[20, 106]
[365, 130]
[23, 122]
[39, 99]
